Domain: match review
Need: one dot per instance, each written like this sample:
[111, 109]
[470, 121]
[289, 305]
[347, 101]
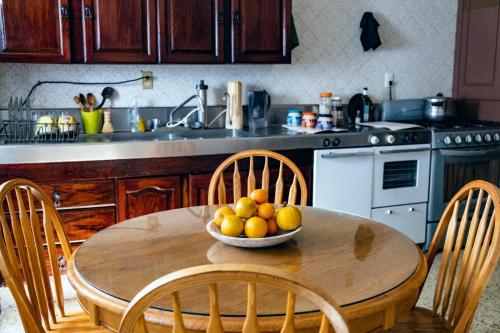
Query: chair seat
[77, 322]
[419, 320]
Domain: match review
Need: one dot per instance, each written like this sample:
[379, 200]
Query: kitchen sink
[211, 134]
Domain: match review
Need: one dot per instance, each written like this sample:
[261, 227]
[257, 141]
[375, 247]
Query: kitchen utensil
[91, 101]
[440, 108]
[282, 237]
[107, 92]
[402, 110]
[77, 101]
[259, 103]
[234, 115]
[355, 105]
[107, 127]
[83, 101]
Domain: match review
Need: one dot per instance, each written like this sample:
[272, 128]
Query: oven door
[453, 168]
[401, 175]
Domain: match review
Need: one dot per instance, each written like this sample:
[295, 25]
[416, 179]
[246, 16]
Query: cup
[92, 121]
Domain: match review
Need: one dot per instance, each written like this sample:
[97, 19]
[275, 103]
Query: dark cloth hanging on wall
[370, 38]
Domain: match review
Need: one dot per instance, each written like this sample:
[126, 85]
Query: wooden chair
[29, 223]
[470, 222]
[217, 182]
[210, 275]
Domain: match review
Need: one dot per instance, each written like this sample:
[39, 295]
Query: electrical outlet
[147, 80]
[388, 77]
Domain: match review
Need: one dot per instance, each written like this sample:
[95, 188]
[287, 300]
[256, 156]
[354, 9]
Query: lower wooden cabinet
[141, 196]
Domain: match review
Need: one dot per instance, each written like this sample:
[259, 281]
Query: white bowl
[281, 237]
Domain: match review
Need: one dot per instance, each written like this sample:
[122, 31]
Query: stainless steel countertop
[169, 144]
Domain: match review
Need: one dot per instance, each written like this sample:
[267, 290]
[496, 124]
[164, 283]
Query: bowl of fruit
[254, 222]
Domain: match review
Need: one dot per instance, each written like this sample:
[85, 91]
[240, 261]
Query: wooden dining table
[373, 271]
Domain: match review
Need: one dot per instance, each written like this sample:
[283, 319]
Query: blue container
[294, 117]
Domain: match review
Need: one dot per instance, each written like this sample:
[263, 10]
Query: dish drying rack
[23, 126]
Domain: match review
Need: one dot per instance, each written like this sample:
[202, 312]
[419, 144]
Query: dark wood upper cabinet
[191, 31]
[120, 31]
[261, 31]
[477, 59]
[34, 31]
[141, 196]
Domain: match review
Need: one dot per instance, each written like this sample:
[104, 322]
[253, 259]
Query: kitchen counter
[176, 143]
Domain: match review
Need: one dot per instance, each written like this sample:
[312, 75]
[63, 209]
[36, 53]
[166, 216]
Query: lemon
[245, 207]
[221, 213]
[289, 218]
[232, 226]
[256, 227]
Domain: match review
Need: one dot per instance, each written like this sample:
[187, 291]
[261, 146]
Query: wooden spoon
[82, 100]
[77, 101]
[91, 100]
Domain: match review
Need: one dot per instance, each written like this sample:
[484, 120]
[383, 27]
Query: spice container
[294, 117]
[325, 103]
[309, 120]
[337, 112]
[325, 122]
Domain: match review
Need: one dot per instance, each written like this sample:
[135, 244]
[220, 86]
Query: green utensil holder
[92, 121]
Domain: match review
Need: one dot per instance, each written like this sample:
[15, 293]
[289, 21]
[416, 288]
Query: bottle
[367, 106]
[357, 120]
[133, 114]
[338, 112]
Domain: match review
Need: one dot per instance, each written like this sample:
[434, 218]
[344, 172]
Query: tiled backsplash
[418, 43]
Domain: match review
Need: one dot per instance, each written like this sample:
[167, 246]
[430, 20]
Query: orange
[221, 213]
[256, 227]
[272, 227]
[289, 218]
[232, 226]
[259, 196]
[245, 207]
[265, 210]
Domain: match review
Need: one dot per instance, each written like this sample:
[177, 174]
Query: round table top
[350, 257]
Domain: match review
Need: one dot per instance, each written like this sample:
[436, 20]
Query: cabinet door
[261, 31]
[34, 31]
[410, 220]
[343, 180]
[120, 31]
[191, 31]
[143, 196]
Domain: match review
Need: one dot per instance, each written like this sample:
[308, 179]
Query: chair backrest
[218, 186]
[29, 226]
[471, 222]
[209, 276]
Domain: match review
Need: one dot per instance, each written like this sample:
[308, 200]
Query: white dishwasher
[343, 180]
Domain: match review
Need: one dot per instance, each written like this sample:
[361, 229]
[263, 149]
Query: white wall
[418, 42]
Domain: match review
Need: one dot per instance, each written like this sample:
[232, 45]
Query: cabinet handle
[220, 17]
[57, 199]
[64, 12]
[88, 12]
[237, 18]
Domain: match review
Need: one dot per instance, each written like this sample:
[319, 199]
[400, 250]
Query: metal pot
[439, 108]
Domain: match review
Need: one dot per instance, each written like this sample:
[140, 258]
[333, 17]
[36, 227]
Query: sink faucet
[201, 108]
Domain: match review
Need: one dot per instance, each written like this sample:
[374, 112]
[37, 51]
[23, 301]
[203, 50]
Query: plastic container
[294, 117]
[325, 102]
[325, 122]
[133, 114]
[309, 120]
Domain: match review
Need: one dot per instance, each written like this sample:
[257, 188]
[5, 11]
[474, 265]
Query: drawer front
[408, 219]
[79, 194]
[83, 223]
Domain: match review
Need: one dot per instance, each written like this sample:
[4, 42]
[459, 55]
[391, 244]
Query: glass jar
[325, 102]
[337, 112]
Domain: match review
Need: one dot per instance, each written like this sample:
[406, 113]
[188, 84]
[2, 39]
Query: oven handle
[355, 154]
[385, 152]
[469, 153]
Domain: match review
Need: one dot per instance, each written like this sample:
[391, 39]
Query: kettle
[259, 103]
[440, 108]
